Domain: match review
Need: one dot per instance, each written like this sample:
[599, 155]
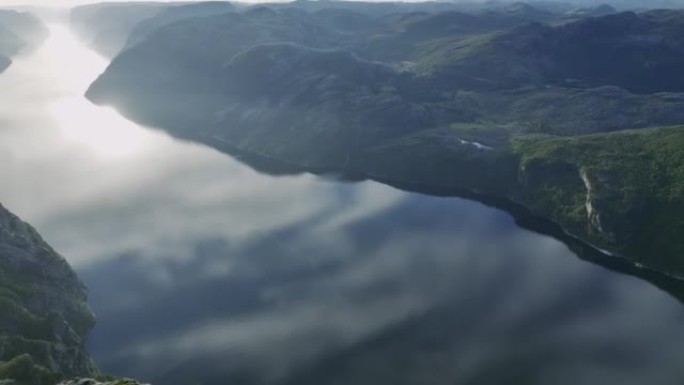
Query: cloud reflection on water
[492, 295]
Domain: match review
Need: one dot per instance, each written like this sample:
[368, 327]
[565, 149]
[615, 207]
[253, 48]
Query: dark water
[202, 270]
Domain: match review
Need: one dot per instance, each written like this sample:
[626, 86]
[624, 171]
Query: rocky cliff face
[44, 319]
[90, 381]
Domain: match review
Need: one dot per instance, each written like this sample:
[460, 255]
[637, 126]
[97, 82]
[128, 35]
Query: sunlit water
[203, 271]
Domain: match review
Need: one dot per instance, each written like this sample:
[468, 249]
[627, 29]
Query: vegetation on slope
[638, 52]
[633, 180]
[536, 113]
[622, 191]
[43, 315]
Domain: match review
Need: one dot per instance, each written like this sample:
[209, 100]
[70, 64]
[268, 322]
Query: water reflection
[62, 166]
[202, 270]
[371, 299]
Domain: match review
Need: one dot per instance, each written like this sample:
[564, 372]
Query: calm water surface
[202, 270]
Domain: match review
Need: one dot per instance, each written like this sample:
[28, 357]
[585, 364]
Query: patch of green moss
[25, 371]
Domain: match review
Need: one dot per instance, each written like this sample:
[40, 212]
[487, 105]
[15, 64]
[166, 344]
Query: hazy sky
[6, 3]
[51, 2]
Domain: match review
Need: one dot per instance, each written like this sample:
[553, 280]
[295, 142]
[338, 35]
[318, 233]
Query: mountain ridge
[479, 110]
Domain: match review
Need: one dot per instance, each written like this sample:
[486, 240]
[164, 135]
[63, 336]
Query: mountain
[106, 26]
[172, 14]
[638, 52]
[18, 31]
[577, 120]
[25, 25]
[44, 319]
[599, 10]
[111, 27]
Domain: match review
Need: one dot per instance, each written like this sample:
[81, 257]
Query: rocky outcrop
[44, 319]
[90, 381]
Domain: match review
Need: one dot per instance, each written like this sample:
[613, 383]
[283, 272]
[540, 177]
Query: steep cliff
[44, 319]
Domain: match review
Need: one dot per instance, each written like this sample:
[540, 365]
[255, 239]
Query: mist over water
[202, 270]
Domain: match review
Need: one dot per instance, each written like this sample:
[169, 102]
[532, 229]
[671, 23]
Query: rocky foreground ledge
[83, 381]
[44, 318]
[90, 381]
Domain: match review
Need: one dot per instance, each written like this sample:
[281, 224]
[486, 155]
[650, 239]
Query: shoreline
[521, 215]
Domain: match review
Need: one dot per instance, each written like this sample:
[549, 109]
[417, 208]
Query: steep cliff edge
[44, 319]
